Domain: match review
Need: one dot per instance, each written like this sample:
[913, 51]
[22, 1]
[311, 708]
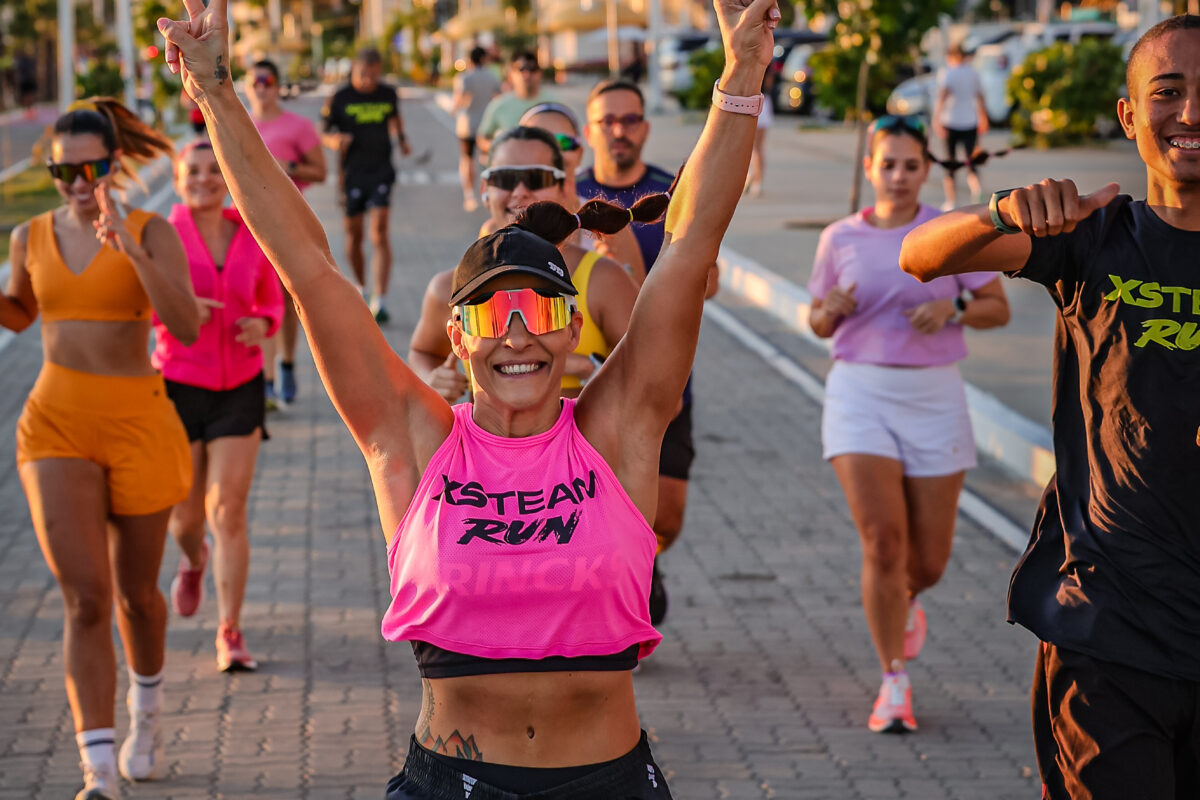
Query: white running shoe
[141, 757]
[99, 784]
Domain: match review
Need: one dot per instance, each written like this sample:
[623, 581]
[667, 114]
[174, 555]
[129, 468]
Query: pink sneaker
[914, 630]
[893, 708]
[187, 588]
[232, 655]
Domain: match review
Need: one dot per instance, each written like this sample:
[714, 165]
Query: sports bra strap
[583, 272]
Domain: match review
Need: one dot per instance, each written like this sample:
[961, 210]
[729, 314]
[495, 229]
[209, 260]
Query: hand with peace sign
[198, 48]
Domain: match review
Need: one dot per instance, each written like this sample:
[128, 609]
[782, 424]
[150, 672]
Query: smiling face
[80, 148]
[505, 205]
[198, 179]
[897, 168]
[1163, 110]
[517, 371]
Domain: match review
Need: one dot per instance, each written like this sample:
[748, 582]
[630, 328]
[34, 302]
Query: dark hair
[898, 130]
[368, 56]
[615, 85]
[1180, 22]
[553, 108]
[525, 133]
[119, 129]
[523, 55]
[478, 55]
[554, 223]
[269, 66]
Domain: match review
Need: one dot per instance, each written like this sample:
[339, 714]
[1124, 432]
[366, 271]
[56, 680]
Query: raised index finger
[196, 7]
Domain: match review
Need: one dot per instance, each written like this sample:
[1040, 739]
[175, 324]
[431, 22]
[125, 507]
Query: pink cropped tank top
[521, 548]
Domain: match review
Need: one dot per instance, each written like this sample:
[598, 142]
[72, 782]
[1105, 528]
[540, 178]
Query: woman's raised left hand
[198, 47]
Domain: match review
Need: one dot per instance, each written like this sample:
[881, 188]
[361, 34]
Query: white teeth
[1186, 144]
[518, 369]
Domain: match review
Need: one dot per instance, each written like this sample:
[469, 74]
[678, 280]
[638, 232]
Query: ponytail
[119, 129]
[554, 223]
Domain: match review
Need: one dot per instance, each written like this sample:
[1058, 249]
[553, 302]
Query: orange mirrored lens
[540, 313]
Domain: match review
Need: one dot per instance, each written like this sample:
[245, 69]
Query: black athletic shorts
[209, 414]
[633, 776]
[466, 146]
[966, 138]
[363, 190]
[675, 458]
[1105, 731]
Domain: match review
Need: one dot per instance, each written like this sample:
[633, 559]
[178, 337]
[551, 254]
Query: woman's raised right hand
[198, 47]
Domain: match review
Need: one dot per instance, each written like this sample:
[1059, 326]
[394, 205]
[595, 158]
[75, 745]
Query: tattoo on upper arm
[221, 72]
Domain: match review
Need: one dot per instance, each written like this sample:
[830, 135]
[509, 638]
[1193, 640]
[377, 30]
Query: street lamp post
[654, 72]
[125, 43]
[614, 45]
[66, 53]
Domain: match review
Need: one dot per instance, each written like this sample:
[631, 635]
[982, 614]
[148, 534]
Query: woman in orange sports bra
[101, 452]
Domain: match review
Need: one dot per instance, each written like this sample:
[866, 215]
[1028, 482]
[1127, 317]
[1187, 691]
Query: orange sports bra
[108, 289]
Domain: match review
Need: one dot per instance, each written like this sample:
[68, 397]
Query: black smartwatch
[994, 210]
[291, 167]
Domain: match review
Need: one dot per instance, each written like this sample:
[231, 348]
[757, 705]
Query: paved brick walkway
[760, 689]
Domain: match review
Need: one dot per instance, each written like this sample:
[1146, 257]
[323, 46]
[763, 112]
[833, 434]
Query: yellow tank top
[591, 338]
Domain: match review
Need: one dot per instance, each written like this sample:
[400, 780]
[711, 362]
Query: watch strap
[994, 210]
[751, 106]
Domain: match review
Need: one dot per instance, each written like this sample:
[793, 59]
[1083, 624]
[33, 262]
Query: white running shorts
[916, 415]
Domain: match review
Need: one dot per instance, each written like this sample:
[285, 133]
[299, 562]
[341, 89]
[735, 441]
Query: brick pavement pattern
[760, 689]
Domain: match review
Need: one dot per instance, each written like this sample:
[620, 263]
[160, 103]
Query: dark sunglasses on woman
[534, 177]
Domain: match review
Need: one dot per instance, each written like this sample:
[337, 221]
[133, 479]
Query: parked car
[794, 88]
[673, 56]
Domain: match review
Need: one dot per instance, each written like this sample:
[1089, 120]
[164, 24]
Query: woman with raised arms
[517, 526]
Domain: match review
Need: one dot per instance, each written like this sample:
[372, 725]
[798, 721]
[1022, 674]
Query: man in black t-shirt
[1110, 581]
[360, 120]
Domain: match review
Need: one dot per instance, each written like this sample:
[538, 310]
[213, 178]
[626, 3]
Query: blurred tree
[883, 33]
[166, 87]
[1061, 92]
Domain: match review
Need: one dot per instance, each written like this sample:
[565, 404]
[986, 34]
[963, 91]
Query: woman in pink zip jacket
[217, 387]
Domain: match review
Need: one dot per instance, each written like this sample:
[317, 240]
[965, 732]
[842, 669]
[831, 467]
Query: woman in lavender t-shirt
[895, 425]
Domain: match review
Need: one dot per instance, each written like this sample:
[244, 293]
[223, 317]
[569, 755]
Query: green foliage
[885, 32]
[103, 78]
[1061, 91]
[706, 65]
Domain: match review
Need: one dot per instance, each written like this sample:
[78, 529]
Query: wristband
[751, 106]
[994, 210]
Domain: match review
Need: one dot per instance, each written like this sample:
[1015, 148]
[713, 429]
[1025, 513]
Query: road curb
[1021, 445]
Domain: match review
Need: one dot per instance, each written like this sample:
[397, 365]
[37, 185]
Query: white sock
[96, 748]
[146, 690]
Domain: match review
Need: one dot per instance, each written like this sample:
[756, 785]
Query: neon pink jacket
[246, 285]
[521, 548]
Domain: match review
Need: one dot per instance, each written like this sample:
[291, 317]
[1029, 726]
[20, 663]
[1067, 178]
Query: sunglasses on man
[625, 120]
[534, 177]
[90, 170]
[264, 81]
[489, 315]
[527, 67]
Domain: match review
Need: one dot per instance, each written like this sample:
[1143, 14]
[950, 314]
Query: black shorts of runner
[675, 458]
[1105, 731]
[466, 146]
[966, 138]
[426, 776]
[363, 190]
[209, 414]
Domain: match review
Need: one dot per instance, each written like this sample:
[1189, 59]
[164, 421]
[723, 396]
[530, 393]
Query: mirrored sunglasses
[266, 81]
[534, 177]
[90, 170]
[489, 315]
[626, 120]
[568, 144]
[897, 122]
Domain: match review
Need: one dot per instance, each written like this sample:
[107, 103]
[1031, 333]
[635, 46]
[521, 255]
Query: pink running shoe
[187, 588]
[232, 655]
[914, 630]
[893, 708]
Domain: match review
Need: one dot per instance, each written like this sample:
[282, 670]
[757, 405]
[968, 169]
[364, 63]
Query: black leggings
[426, 776]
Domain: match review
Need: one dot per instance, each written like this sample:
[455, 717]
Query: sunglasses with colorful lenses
[90, 170]
[897, 122]
[489, 315]
[626, 120]
[534, 177]
[264, 80]
[568, 144]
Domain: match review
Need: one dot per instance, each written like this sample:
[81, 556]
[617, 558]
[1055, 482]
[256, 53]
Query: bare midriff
[99, 347]
[542, 719]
